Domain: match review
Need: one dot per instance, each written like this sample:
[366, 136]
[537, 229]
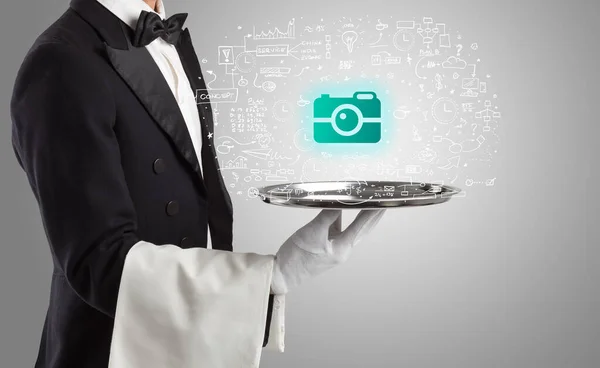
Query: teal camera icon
[355, 119]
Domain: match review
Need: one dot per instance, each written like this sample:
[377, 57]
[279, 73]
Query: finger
[336, 227]
[372, 221]
[326, 218]
[368, 227]
[371, 224]
[357, 226]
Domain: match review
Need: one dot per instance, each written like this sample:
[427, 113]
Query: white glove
[318, 246]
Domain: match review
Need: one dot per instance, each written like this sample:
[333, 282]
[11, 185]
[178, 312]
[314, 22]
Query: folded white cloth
[191, 308]
[277, 328]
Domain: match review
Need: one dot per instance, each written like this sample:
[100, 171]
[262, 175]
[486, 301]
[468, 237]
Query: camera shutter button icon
[355, 119]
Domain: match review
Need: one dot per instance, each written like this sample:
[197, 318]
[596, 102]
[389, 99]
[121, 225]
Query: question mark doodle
[459, 47]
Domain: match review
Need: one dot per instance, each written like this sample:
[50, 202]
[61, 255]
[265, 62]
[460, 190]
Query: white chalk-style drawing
[401, 113]
[238, 163]
[488, 114]
[349, 38]
[454, 62]
[224, 148]
[384, 169]
[377, 43]
[426, 31]
[265, 154]
[405, 24]
[313, 169]
[404, 40]
[253, 192]
[483, 87]
[438, 82]
[268, 86]
[459, 48]
[413, 169]
[427, 155]
[214, 75]
[275, 33]
[466, 146]
[267, 62]
[302, 71]
[226, 56]
[302, 102]
[380, 26]
[254, 176]
[245, 62]
[474, 70]
[452, 163]
[264, 140]
[277, 175]
[376, 59]
[283, 111]
[471, 87]
[416, 136]
[275, 70]
[444, 38]
[444, 110]
[216, 95]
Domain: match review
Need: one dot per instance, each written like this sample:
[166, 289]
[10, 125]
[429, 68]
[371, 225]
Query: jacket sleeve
[62, 133]
[274, 337]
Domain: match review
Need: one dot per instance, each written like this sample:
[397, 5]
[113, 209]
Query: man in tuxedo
[121, 161]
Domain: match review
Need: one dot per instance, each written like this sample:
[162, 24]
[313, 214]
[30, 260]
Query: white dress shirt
[167, 59]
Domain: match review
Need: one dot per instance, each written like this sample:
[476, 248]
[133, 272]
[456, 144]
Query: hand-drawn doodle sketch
[440, 119]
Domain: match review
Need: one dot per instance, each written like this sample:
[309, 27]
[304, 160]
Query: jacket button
[186, 242]
[159, 165]
[172, 208]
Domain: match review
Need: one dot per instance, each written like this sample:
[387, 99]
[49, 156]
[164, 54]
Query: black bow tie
[150, 26]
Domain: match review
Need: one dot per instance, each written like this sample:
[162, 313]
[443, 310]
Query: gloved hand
[318, 246]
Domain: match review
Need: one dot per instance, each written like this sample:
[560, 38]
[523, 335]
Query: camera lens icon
[347, 120]
[355, 119]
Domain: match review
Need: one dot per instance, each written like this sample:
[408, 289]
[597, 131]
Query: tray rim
[409, 201]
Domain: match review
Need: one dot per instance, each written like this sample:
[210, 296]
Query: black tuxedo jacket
[110, 161]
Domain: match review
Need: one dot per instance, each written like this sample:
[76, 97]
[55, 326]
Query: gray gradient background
[506, 277]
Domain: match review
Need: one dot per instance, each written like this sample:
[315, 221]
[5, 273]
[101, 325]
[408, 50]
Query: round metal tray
[356, 194]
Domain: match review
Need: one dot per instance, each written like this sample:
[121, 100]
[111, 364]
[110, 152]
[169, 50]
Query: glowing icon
[355, 119]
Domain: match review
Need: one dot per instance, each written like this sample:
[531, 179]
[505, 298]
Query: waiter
[122, 163]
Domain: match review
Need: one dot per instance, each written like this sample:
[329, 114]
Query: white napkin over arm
[192, 308]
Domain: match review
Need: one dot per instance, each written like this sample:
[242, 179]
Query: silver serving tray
[356, 194]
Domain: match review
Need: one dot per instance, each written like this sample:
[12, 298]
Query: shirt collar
[129, 10]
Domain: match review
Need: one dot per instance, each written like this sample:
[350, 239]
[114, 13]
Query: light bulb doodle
[349, 38]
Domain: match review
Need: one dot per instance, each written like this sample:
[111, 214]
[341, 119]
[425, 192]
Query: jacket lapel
[138, 69]
[142, 75]
[140, 72]
[189, 60]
